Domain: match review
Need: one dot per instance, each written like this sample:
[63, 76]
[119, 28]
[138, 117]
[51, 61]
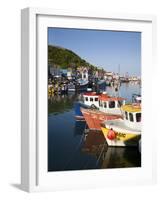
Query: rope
[100, 153]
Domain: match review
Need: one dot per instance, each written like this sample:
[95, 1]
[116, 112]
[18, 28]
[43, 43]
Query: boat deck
[95, 111]
[119, 126]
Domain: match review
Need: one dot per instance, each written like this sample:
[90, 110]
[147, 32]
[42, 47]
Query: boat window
[100, 103]
[86, 98]
[105, 105]
[119, 104]
[111, 104]
[138, 117]
[96, 99]
[91, 99]
[126, 115]
[131, 117]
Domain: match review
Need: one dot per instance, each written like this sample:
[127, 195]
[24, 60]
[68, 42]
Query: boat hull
[102, 85]
[78, 112]
[123, 138]
[82, 86]
[94, 118]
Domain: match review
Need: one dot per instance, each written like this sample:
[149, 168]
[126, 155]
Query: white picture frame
[34, 176]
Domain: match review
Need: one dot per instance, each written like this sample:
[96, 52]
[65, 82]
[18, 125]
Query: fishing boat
[89, 100]
[82, 85]
[82, 81]
[126, 131]
[71, 87]
[108, 109]
[136, 98]
[63, 89]
[101, 84]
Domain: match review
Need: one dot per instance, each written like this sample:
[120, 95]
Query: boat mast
[119, 70]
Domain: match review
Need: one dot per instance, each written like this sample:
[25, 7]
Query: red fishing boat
[109, 109]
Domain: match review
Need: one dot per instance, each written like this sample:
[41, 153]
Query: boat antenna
[119, 69]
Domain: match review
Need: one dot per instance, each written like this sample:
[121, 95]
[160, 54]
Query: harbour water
[71, 147]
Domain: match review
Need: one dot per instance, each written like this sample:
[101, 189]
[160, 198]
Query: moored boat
[90, 99]
[71, 87]
[108, 109]
[136, 98]
[126, 131]
[95, 117]
[82, 85]
[78, 112]
[101, 84]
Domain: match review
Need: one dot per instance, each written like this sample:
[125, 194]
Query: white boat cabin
[110, 104]
[91, 99]
[132, 116]
[84, 74]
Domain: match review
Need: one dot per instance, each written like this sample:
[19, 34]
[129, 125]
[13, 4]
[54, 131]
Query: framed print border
[33, 20]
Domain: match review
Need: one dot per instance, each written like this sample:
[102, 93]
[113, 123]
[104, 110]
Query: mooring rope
[100, 153]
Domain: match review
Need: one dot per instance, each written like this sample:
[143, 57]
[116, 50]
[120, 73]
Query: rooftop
[106, 97]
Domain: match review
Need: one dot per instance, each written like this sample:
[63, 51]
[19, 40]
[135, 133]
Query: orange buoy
[111, 134]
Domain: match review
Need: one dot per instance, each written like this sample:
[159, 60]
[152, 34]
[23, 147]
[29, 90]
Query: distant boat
[82, 84]
[136, 98]
[71, 87]
[101, 84]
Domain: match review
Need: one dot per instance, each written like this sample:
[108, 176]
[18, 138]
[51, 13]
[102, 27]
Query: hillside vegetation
[65, 58]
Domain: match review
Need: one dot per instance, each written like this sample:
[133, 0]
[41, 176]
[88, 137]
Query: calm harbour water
[70, 147]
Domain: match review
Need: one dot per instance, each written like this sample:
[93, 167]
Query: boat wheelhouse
[90, 100]
[126, 131]
[109, 108]
[82, 81]
[111, 105]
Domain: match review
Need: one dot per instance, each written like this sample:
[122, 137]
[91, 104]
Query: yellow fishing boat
[126, 131]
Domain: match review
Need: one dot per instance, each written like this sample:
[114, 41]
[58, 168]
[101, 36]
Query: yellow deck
[131, 108]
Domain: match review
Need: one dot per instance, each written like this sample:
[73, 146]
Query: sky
[116, 51]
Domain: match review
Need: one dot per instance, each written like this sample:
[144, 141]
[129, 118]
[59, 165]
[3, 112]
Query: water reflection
[70, 147]
[125, 90]
[79, 127]
[110, 157]
[60, 103]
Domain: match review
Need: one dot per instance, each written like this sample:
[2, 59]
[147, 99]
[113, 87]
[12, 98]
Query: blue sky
[106, 49]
